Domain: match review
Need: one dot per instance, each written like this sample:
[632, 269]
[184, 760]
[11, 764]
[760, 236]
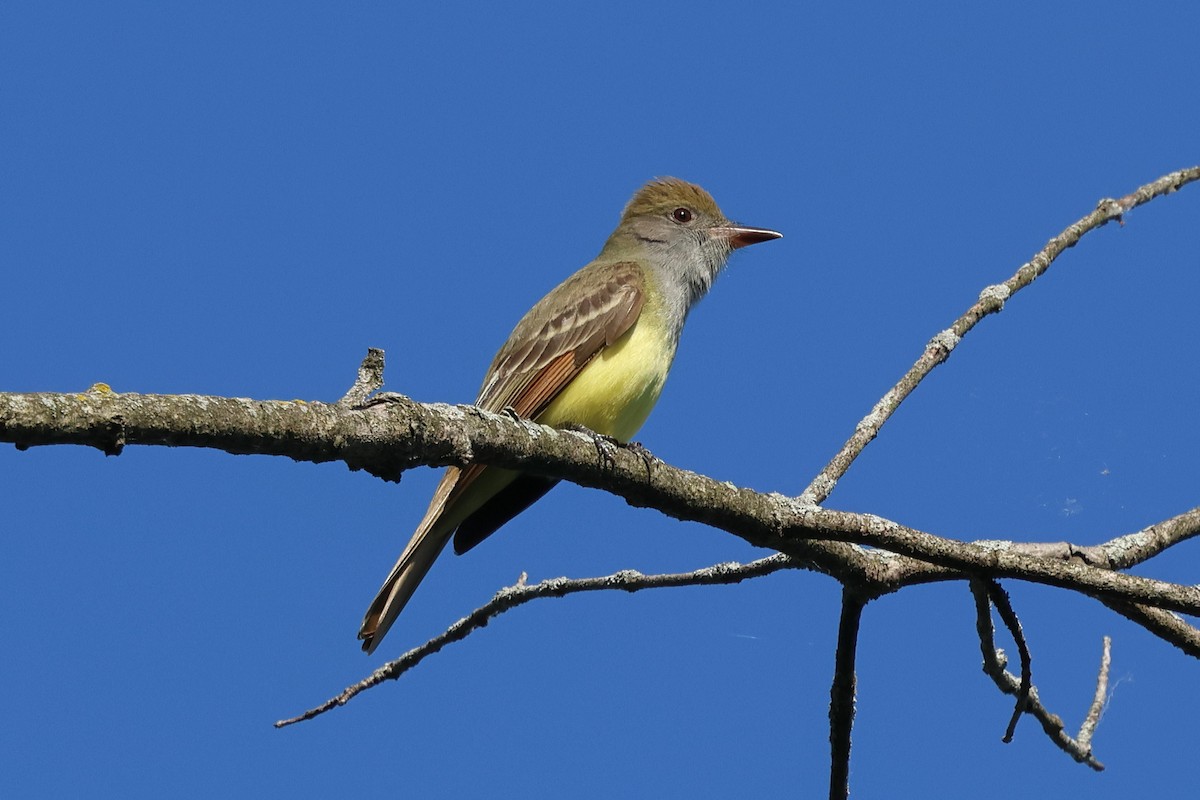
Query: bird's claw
[378, 399]
[638, 449]
[606, 446]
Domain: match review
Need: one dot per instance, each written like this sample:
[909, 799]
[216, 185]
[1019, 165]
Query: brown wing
[551, 344]
[560, 334]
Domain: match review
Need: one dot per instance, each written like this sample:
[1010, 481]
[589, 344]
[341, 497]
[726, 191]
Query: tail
[422, 550]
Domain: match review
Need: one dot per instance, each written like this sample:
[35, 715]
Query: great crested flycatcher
[594, 352]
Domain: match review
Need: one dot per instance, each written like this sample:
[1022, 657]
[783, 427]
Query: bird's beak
[740, 236]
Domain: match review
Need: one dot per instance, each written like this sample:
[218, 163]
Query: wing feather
[544, 336]
[542, 356]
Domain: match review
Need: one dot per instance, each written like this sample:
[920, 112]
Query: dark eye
[682, 215]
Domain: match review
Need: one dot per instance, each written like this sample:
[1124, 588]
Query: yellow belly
[614, 393]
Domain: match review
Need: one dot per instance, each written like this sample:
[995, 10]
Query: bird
[593, 353]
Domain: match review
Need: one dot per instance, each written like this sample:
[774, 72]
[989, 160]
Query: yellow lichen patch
[100, 388]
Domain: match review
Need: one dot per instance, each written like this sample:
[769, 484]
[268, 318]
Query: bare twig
[370, 379]
[1092, 719]
[1003, 604]
[991, 300]
[994, 663]
[519, 594]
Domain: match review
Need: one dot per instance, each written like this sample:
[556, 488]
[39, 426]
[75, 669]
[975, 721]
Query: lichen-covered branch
[386, 438]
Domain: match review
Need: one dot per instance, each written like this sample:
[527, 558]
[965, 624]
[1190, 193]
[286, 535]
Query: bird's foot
[648, 458]
[380, 398]
[606, 446]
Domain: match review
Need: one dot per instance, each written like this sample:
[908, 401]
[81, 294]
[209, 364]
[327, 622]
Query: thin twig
[513, 596]
[1003, 604]
[1088, 728]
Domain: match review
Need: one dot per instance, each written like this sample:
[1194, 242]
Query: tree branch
[385, 439]
[841, 694]
[1166, 625]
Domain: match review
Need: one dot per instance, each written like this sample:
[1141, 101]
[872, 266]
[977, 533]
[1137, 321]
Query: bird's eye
[682, 215]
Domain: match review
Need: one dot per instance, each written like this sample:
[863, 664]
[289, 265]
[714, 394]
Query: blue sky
[239, 199]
